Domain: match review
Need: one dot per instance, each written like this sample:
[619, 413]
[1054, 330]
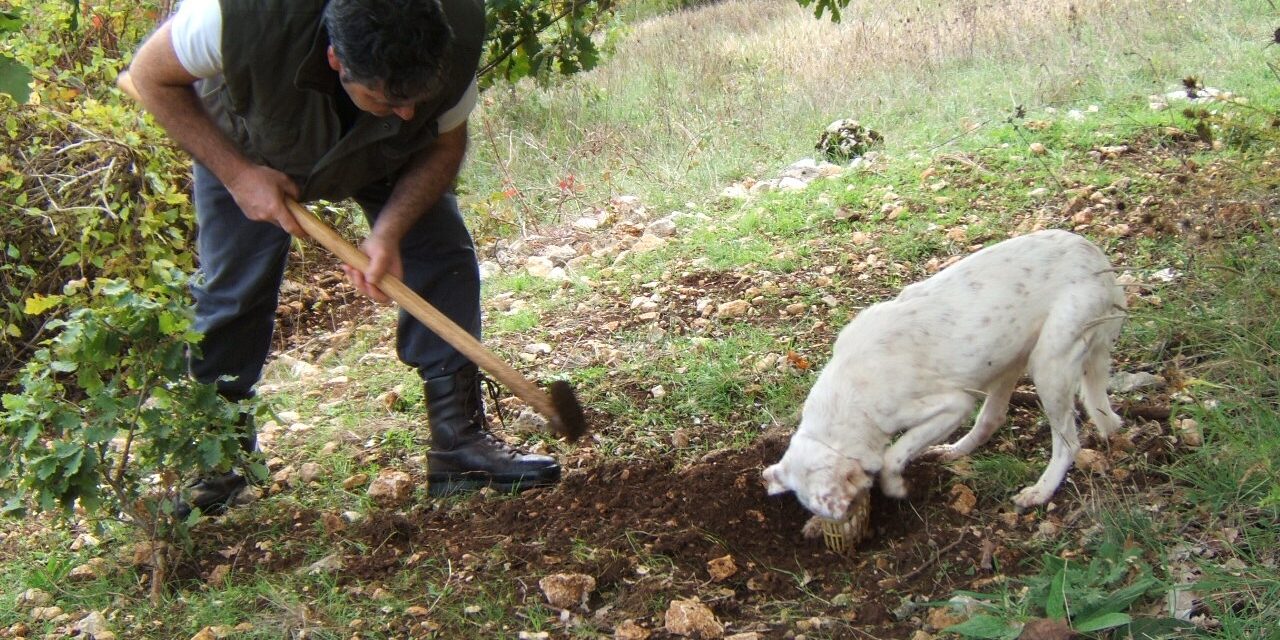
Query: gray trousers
[241, 265]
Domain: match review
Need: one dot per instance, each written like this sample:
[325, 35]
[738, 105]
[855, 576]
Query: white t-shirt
[197, 40]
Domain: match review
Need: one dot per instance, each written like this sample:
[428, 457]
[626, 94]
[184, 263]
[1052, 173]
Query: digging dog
[1046, 304]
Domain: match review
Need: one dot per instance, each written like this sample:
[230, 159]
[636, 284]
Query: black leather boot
[464, 455]
[212, 494]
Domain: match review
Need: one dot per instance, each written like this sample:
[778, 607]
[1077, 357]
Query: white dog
[1046, 303]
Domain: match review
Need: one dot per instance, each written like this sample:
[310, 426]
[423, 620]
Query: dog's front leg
[929, 421]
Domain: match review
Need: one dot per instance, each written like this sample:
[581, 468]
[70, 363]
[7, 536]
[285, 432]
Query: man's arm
[421, 184]
[166, 90]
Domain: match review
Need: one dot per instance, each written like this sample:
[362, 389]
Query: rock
[1091, 460]
[358, 480]
[537, 348]
[390, 488]
[84, 541]
[940, 618]
[417, 611]
[205, 634]
[846, 139]
[331, 563]
[662, 228]
[792, 184]
[1124, 382]
[567, 590]
[34, 598]
[310, 472]
[1189, 432]
[539, 266]
[964, 499]
[722, 568]
[921, 635]
[41, 614]
[285, 476]
[647, 243]
[746, 635]
[1039, 192]
[94, 625]
[218, 576]
[630, 630]
[692, 619]
[1037, 149]
[733, 309]
[559, 253]
[796, 309]
[89, 571]
[680, 438]
[587, 223]
[528, 421]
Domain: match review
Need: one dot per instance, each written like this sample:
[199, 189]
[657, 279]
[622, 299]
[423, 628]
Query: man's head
[390, 54]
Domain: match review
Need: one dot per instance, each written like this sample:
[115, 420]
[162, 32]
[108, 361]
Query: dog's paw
[892, 485]
[941, 453]
[1031, 497]
[812, 529]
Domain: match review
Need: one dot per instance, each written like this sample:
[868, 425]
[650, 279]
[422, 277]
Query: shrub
[108, 418]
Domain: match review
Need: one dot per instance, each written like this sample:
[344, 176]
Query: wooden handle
[412, 302]
[428, 315]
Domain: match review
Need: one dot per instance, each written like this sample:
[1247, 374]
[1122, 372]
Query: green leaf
[1104, 621]
[39, 303]
[15, 79]
[10, 21]
[210, 452]
[1157, 628]
[982, 626]
[169, 323]
[70, 259]
[1119, 600]
[1055, 605]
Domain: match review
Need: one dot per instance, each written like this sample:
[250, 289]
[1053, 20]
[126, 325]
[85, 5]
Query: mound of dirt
[646, 531]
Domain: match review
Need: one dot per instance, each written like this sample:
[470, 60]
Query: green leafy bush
[87, 193]
[108, 418]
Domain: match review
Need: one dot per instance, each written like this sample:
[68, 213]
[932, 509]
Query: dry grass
[693, 100]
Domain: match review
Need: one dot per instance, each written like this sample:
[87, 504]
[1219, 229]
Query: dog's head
[824, 481]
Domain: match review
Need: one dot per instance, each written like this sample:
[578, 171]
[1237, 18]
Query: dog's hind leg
[1093, 388]
[994, 410]
[932, 420]
[1056, 363]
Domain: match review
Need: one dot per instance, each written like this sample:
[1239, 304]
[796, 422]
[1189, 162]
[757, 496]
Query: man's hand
[261, 193]
[384, 258]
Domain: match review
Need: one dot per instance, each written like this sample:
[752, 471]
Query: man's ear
[773, 480]
[334, 62]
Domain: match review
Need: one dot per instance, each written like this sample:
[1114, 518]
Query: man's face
[372, 99]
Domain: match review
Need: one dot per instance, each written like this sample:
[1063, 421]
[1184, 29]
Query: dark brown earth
[646, 532]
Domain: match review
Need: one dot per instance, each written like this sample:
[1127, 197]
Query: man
[303, 99]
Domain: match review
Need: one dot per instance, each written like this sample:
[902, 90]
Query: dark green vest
[275, 97]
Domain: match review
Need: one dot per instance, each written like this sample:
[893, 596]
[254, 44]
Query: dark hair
[397, 46]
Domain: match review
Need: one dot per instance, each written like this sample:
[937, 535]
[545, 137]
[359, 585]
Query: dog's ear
[773, 482]
[836, 492]
[858, 479]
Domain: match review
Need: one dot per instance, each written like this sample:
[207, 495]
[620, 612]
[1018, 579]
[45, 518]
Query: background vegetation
[686, 102]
